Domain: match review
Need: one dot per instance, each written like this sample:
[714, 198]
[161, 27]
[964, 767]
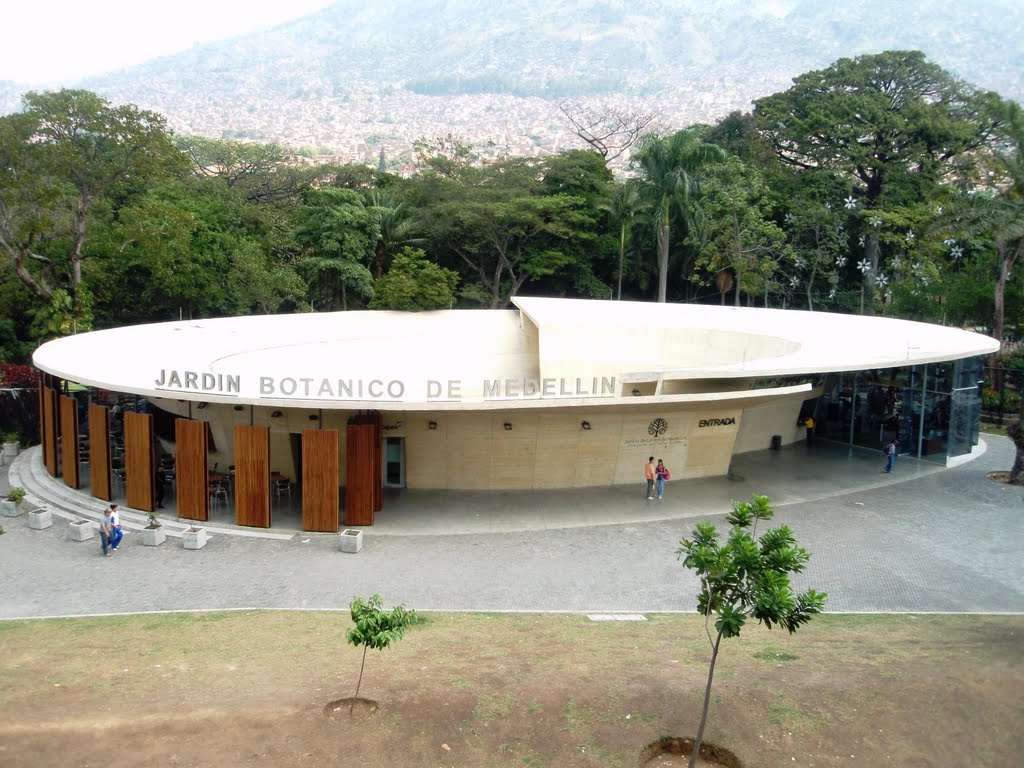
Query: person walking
[809, 425]
[651, 474]
[891, 450]
[106, 531]
[116, 534]
[663, 475]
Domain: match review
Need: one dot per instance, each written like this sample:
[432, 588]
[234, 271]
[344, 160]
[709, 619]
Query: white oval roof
[548, 349]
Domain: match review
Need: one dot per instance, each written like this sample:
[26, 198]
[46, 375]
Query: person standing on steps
[651, 474]
[663, 476]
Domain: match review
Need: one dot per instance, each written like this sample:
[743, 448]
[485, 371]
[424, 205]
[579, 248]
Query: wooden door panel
[252, 476]
[190, 467]
[321, 452]
[99, 451]
[139, 460]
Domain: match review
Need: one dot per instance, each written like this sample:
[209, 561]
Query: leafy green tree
[337, 234]
[669, 166]
[63, 154]
[262, 173]
[376, 628]
[746, 577]
[892, 125]
[414, 284]
[732, 230]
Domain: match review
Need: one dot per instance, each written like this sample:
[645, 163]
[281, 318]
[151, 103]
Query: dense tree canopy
[878, 184]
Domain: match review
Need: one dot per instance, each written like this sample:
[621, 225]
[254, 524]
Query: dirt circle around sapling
[999, 477]
[345, 709]
[674, 752]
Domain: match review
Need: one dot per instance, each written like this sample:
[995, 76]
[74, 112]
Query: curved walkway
[924, 539]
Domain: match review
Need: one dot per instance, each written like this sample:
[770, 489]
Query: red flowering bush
[15, 375]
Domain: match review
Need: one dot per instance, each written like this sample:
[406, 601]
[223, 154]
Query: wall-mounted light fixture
[585, 425]
[431, 425]
[636, 393]
[508, 426]
[238, 407]
[275, 414]
[201, 406]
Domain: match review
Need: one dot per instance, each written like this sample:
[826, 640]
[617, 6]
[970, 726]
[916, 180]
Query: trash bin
[776, 442]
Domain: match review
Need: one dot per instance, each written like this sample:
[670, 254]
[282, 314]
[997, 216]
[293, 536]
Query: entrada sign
[726, 422]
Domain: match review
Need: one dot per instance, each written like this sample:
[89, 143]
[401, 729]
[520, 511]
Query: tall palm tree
[624, 205]
[395, 226]
[669, 166]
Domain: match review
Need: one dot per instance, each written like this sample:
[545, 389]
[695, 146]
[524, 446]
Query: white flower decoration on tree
[799, 263]
[828, 206]
[789, 217]
[881, 279]
[956, 252]
[794, 281]
[851, 203]
[864, 265]
[888, 294]
[840, 261]
[949, 242]
[938, 210]
[910, 236]
[876, 223]
[861, 240]
[832, 295]
[897, 264]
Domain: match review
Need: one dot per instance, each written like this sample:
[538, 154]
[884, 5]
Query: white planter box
[11, 449]
[193, 538]
[12, 508]
[40, 519]
[351, 540]
[81, 530]
[153, 537]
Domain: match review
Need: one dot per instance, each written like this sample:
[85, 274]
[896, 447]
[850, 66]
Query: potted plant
[40, 518]
[351, 540]
[13, 505]
[193, 537]
[12, 443]
[153, 534]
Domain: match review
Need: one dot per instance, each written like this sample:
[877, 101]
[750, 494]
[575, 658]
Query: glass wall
[934, 410]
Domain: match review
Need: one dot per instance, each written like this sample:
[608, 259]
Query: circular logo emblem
[658, 427]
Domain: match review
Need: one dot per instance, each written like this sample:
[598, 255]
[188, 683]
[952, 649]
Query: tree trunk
[663, 265]
[707, 701]
[622, 254]
[1016, 433]
[352, 704]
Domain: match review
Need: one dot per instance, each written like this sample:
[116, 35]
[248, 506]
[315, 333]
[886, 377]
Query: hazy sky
[52, 42]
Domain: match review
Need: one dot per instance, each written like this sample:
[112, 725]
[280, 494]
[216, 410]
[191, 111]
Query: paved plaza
[925, 539]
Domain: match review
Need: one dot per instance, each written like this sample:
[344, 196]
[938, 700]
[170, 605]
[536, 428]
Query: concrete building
[552, 393]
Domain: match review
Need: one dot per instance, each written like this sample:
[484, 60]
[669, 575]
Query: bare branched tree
[608, 129]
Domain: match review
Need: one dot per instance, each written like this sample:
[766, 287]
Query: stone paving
[941, 541]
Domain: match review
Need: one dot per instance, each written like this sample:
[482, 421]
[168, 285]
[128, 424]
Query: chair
[218, 493]
[280, 487]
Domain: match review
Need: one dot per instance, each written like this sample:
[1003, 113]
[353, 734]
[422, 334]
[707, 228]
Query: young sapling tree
[375, 628]
[745, 577]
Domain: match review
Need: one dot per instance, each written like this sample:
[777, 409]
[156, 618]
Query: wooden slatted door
[99, 451]
[139, 463]
[321, 459]
[362, 460]
[252, 476]
[69, 442]
[191, 469]
[49, 431]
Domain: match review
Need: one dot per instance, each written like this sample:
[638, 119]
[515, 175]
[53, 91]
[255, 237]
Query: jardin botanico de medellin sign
[393, 390]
